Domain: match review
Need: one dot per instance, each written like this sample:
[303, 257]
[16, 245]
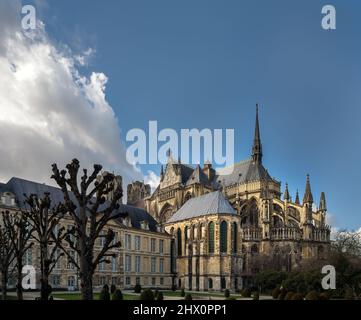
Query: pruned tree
[20, 234]
[6, 255]
[90, 208]
[44, 219]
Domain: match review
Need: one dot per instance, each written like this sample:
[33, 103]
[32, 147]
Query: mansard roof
[137, 215]
[210, 203]
[19, 187]
[2, 187]
[243, 172]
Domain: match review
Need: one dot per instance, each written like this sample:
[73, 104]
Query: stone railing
[167, 195]
[286, 233]
[251, 233]
[321, 234]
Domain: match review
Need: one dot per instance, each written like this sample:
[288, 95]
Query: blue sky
[204, 64]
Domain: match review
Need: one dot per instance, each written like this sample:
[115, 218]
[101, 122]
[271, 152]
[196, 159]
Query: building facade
[267, 229]
[144, 256]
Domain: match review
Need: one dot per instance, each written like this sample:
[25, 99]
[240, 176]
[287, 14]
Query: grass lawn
[198, 294]
[76, 296]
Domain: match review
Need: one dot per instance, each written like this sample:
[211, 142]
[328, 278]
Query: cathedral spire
[297, 200]
[307, 198]
[286, 194]
[257, 146]
[323, 206]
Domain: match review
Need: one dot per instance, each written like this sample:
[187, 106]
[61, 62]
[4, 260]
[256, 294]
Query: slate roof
[137, 215]
[198, 176]
[2, 187]
[243, 172]
[210, 203]
[20, 186]
[185, 171]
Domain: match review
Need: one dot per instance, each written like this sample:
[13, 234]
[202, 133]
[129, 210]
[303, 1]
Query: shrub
[255, 295]
[349, 294]
[226, 293]
[160, 296]
[117, 295]
[104, 294]
[147, 295]
[156, 292]
[276, 292]
[289, 295]
[282, 295]
[297, 296]
[113, 288]
[188, 296]
[269, 279]
[246, 293]
[324, 296]
[137, 288]
[183, 293]
[312, 295]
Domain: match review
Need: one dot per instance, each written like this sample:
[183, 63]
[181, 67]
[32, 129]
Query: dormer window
[144, 225]
[8, 199]
[127, 222]
[160, 228]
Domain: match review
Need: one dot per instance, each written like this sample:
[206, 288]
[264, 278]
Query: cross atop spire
[257, 146]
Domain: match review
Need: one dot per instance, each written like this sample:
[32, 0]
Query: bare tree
[19, 234]
[44, 220]
[347, 242]
[6, 255]
[90, 211]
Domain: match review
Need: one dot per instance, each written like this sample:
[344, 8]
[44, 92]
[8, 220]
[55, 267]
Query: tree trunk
[19, 288]
[86, 280]
[44, 289]
[4, 285]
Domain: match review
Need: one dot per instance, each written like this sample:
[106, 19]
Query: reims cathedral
[226, 227]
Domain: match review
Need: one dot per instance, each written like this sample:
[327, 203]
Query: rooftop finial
[297, 200]
[287, 194]
[257, 146]
[323, 206]
[308, 198]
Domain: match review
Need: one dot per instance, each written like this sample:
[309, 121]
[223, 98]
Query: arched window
[253, 214]
[254, 249]
[223, 283]
[211, 237]
[235, 237]
[186, 233]
[223, 237]
[179, 241]
[210, 283]
[277, 221]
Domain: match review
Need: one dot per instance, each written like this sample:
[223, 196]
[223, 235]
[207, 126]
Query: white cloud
[83, 58]
[152, 179]
[49, 112]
